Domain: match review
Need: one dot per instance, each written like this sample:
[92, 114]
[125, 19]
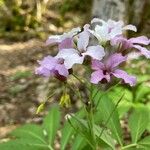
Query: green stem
[83, 82]
[129, 146]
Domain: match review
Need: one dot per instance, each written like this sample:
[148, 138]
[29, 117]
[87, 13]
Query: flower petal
[125, 44]
[43, 71]
[62, 70]
[140, 40]
[67, 43]
[143, 50]
[71, 57]
[97, 65]
[83, 40]
[126, 78]
[97, 76]
[59, 38]
[114, 60]
[130, 27]
[96, 52]
[48, 62]
[53, 39]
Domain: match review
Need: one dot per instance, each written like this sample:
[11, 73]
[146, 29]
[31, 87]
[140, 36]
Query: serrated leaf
[51, 123]
[107, 108]
[32, 132]
[105, 140]
[138, 123]
[21, 144]
[145, 142]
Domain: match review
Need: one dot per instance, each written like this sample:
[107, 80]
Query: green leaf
[78, 143]
[81, 127]
[138, 122]
[51, 123]
[145, 142]
[32, 132]
[107, 108]
[105, 140]
[142, 92]
[68, 131]
[23, 145]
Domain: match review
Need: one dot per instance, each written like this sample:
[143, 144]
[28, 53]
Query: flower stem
[129, 146]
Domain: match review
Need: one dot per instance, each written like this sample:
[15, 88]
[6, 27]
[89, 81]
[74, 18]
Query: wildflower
[51, 66]
[108, 30]
[133, 43]
[105, 71]
[65, 40]
[73, 56]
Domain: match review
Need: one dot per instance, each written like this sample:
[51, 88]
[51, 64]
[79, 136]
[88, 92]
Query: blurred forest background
[24, 27]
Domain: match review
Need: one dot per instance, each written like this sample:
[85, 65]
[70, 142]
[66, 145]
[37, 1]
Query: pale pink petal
[72, 60]
[97, 65]
[97, 76]
[140, 40]
[70, 56]
[126, 78]
[59, 38]
[114, 60]
[73, 32]
[43, 71]
[96, 52]
[143, 50]
[65, 44]
[62, 70]
[125, 44]
[66, 53]
[116, 31]
[54, 39]
[130, 27]
[48, 62]
[83, 39]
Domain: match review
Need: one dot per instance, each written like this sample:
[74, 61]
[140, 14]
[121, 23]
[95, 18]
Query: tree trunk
[109, 9]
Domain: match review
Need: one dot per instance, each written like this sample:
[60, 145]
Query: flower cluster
[111, 50]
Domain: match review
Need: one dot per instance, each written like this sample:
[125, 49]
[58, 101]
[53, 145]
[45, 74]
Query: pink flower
[76, 55]
[105, 71]
[51, 66]
[133, 43]
[108, 30]
[65, 40]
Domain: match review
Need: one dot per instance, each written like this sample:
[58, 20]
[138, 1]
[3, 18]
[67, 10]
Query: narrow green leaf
[68, 131]
[81, 127]
[138, 122]
[51, 123]
[78, 143]
[107, 108]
